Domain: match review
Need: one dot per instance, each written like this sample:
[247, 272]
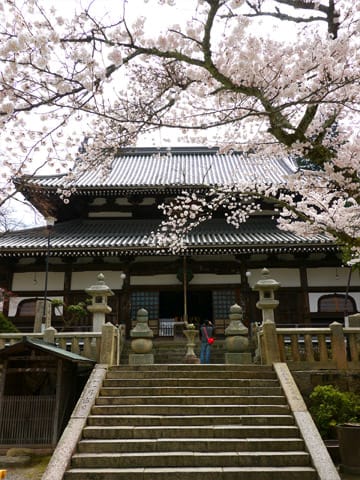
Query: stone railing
[334, 347]
[104, 347]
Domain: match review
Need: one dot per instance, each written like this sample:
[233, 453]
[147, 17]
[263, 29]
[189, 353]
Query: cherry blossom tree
[269, 77]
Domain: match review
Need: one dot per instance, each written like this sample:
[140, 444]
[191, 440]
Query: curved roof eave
[191, 250]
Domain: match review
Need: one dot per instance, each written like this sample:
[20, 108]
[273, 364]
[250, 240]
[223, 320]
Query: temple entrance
[171, 306]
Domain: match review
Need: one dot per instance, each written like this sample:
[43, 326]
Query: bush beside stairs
[188, 422]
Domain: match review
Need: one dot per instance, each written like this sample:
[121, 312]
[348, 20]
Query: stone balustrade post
[108, 352]
[141, 343]
[49, 335]
[271, 351]
[338, 345]
[354, 320]
[237, 341]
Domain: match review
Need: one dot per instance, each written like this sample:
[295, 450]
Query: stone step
[193, 420]
[188, 473]
[250, 367]
[189, 382]
[193, 400]
[188, 391]
[189, 409]
[206, 374]
[178, 355]
[191, 368]
[214, 431]
[173, 351]
[191, 445]
[190, 459]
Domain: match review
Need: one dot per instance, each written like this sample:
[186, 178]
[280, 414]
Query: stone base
[238, 358]
[191, 359]
[141, 359]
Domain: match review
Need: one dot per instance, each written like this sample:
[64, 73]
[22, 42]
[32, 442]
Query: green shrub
[6, 326]
[72, 314]
[330, 406]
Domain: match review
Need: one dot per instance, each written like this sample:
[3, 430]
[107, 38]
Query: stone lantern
[99, 294]
[268, 348]
[267, 302]
[236, 342]
[191, 333]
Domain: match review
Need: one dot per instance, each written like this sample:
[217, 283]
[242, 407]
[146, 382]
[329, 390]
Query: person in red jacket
[206, 332]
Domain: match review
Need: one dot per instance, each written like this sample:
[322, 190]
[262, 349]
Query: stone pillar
[236, 341]
[99, 307]
[270, 347]
[108, 347]
[354, 322]
[40, 324]
[338, 346]
[49, 335]
[141, 343]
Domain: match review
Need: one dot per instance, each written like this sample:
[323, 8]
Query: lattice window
[336, 303]
[147, 300]
[222, 301]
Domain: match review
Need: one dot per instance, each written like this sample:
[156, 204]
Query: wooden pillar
[124, 314]
[305, 296]
[185, 284]
[56, 426]
[67, 285]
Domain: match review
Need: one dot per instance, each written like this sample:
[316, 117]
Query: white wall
[83, 280]
[154, 280]
[212, 278]
[198, 279]
[287, 277]
[331, 277]
[35, 281]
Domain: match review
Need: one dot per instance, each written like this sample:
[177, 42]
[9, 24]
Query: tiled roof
[45, 347]
[145, 168]
[113, 237]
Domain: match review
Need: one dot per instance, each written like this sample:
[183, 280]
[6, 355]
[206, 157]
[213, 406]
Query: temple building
[106, 225]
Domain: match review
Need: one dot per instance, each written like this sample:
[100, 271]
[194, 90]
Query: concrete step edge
[298, 453]
[181, 428]
[99, 471]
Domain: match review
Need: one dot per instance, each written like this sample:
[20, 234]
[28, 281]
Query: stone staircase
[172, 351]
[187, 422]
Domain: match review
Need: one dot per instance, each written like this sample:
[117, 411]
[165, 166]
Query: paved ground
[35, 470]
